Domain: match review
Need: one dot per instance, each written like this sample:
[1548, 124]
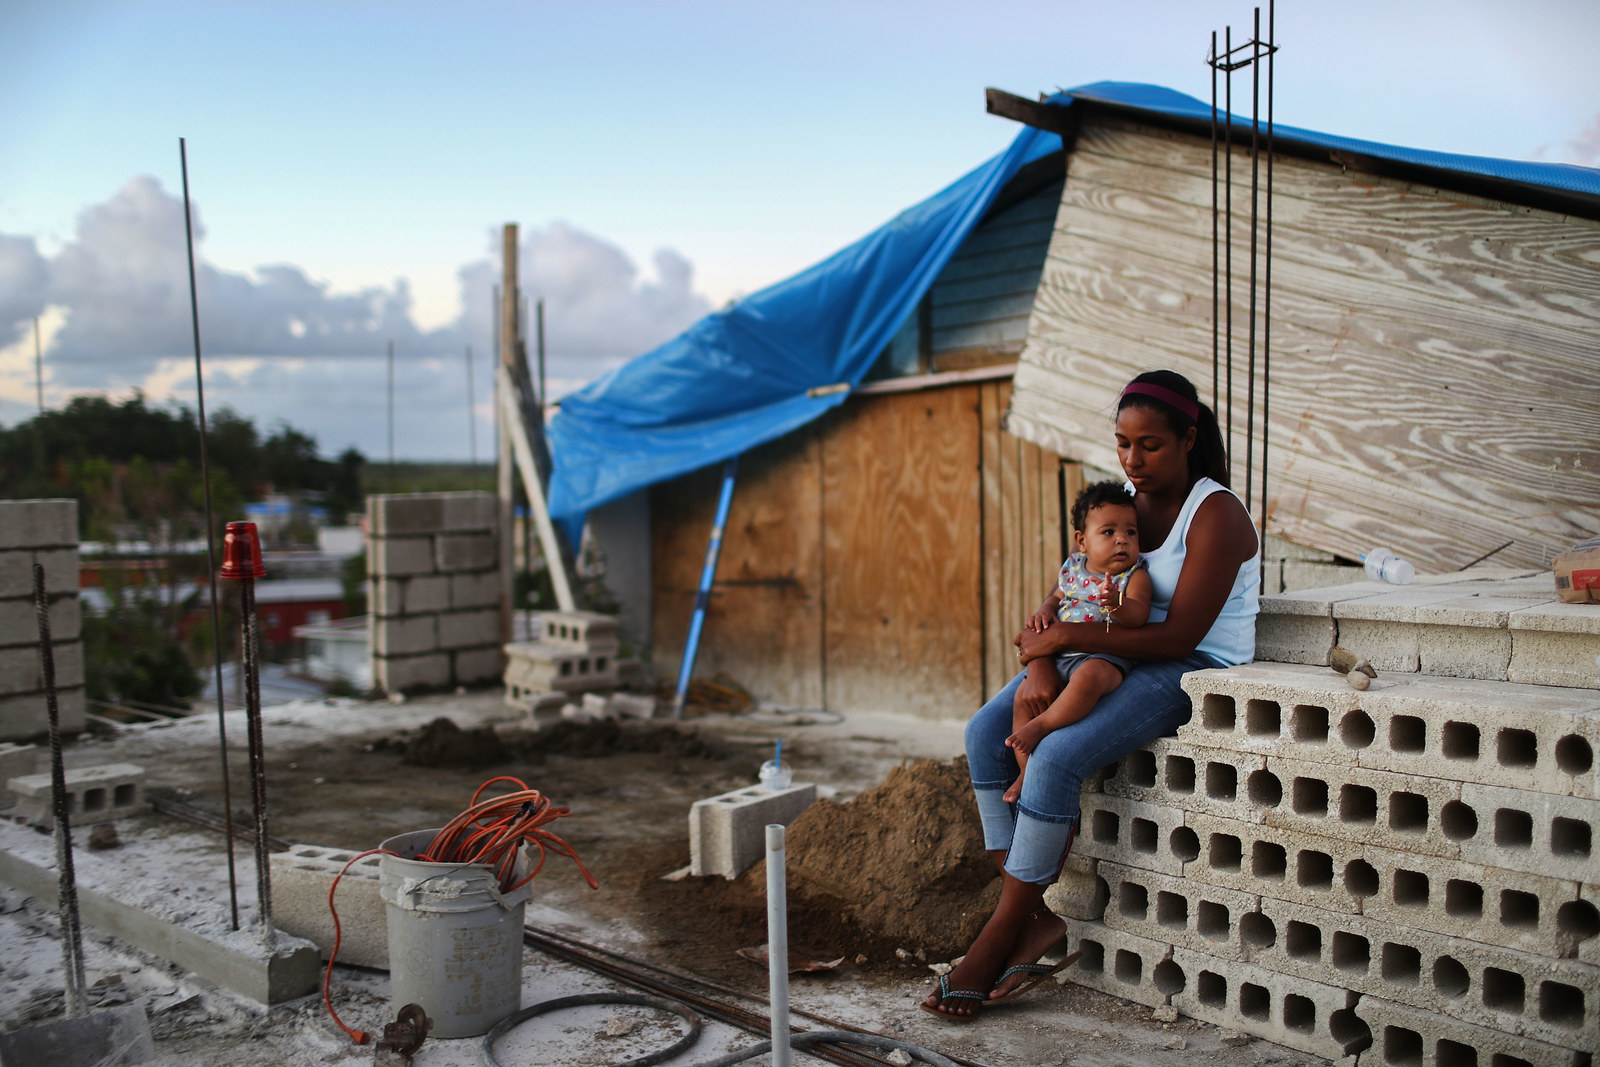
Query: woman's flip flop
[1040, 972]
[946, 993]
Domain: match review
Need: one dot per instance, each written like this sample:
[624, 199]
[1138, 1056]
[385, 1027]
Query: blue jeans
[1035, 831]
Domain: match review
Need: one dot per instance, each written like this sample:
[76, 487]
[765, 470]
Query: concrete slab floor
[322, 789]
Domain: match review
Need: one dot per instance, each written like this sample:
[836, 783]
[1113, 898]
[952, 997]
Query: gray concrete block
[1464, 651]
[28, 716]
[1496, 733]
[727, 833]
[1294, 631]
[19, 621]
[1502, 989]
[426, 593]
[480, 590]
[1522, 830]
[400, 557]
[534, 668]
[1404, 1036]
[60, 571]
[288, 970]
[578, 630]
[38, 524]
[1578, 921]
[1137, 835]
[405, 636]
[1556, 644]
[1308, 1016]
[1511, 909]
[94, 794]
[467, 629]
[16, 761]
[1281, 548]
[401, 514]
[386, 597]
[405, 673]
[469, 511]
[473, 665]
[301, 879]
[19, 670]
[1389, 645]
[1177, 911]
[1182, 775]
[465, 552]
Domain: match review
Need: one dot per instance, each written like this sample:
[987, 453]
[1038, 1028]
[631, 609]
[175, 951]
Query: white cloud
[280, 345]
[1583, 149]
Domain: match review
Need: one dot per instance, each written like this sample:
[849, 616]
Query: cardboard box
[1578, 573]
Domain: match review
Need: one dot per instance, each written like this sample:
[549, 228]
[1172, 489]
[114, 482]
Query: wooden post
[506, 474]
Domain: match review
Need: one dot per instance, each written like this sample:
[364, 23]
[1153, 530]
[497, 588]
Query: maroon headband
[1167, 396]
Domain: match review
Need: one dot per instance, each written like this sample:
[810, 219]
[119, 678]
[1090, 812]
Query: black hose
[683, 1044]
[677, 1048]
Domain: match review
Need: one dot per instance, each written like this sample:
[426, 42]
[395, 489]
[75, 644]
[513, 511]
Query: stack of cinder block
[1407, 873]
[44, 532]
[434, 590]
[575, 652]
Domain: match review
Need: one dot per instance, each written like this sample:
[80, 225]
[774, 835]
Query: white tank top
[1232, 638]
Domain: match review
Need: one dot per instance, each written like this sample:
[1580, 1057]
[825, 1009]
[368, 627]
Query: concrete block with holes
[1177, 911]
[301, 880]
[1403, 1036]
[1449, 897]
[727, 833]
[94, 794]
[1307, 1016]
[1517, 992]
[1524, 830]
[578, 631]
[1498, 733]
[534, 668]
[1139, 835]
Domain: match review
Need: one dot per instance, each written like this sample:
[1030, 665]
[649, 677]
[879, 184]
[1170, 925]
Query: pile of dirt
[901, 867]
[441, 743]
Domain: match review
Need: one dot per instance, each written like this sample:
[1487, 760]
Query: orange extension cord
[490, 833]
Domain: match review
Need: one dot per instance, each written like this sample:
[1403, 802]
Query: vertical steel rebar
[1216, 307]
[1227, 227]
[211, 552]
[1255, 185]
[66, 879]
[1266, 320]
[251, 668]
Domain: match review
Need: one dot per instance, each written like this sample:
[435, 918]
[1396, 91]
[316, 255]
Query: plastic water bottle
[774, 775]
[1384, 566]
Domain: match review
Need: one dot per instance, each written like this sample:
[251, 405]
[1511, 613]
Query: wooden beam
[1031, 112]
[522, 448]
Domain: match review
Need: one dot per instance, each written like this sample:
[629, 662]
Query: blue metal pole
[703, 597]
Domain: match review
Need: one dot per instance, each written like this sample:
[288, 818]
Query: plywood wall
[882, 559]
[1435, 365]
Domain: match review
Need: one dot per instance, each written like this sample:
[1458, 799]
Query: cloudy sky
[351, 163]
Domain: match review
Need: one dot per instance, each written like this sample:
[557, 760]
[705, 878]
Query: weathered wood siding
[1435, 361]
[881, 559]
[978, 307]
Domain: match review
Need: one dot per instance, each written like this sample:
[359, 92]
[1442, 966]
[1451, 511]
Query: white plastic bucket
[455, 941]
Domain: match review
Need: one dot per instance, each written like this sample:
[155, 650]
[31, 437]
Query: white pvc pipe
[778, 945]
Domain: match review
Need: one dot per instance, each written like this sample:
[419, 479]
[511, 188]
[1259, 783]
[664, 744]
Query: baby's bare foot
[1014, 793]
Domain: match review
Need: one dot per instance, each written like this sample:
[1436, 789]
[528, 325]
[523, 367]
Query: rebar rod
[258, 761]
[211, 553]
[1255, 186]
[66, 879]
[1216, 306]
[1266, 295]
[1227, 228]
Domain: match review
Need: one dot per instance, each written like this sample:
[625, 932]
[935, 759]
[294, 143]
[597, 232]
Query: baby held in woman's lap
[1103, 580]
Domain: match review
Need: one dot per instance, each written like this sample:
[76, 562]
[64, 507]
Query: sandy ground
[336, 777]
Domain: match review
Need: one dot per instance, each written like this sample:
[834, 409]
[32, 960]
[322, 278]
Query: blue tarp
[739, 377]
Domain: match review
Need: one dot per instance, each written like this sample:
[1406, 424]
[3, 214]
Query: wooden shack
[1434, 387]
[1435, 337]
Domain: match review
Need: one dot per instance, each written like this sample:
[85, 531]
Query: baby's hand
[1040, 620]
[1105, 592]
